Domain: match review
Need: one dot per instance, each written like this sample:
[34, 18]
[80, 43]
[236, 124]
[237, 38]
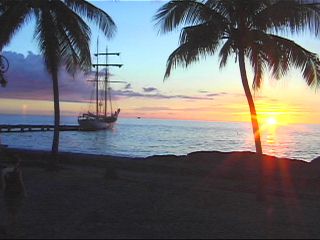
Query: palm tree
[63, 36]
[4, 65]
[247, 29]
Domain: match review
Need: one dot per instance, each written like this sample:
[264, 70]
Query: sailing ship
[101, 119]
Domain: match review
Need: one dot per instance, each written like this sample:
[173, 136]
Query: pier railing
[36, 128]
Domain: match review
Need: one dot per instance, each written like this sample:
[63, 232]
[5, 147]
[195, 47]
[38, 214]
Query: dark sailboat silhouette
[101, 119]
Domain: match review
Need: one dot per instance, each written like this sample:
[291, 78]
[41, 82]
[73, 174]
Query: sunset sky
[201, 92]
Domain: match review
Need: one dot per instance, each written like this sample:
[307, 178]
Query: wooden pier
[36, 128]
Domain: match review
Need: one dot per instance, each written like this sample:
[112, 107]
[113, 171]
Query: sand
[201, 195]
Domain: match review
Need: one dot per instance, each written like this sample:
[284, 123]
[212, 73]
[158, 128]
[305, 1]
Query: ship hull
[92, 122]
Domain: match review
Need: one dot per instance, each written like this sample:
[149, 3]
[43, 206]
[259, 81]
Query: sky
[201, 92]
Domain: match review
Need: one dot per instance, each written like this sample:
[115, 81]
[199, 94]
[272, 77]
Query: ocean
[146, 137]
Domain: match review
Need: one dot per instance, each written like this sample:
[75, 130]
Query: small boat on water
[104, 116]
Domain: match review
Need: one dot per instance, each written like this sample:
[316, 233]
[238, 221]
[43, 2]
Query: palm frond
[190, 51]
[177, 57]
[291, 54]
[295, 15]
[74, 38]
[176, 13]
[94, 14]
[280, 54]
[47, 35]
[274, 55]
[234, 10]
[201, 32]
[225, 52]
[307, 61]
[12, 18]
[258, 61]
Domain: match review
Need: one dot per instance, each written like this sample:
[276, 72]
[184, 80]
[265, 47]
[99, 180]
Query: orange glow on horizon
[224, 110]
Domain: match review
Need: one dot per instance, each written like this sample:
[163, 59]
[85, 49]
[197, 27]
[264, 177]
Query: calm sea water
[145, 137]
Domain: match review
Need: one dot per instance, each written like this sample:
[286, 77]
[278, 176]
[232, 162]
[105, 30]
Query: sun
[272, 121]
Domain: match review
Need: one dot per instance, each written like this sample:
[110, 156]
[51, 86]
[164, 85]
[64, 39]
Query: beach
[199, 195]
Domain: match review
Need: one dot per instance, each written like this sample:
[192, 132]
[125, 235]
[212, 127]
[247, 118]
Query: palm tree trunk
[255, 126]
[55, 143]
[254, 119]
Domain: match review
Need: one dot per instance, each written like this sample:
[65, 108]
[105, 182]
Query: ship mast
[97, 83]
[106, 65]
[106, 86]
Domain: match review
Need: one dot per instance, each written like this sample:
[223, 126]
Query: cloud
[256, 97]
[212, 94]
[28, 79]
[216, 94]
[150, 89]
[155, 108]
[128, 86]
[265, 98]
[133, 94]
[203, 91]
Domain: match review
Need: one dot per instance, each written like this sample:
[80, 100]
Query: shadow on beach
[201, 195]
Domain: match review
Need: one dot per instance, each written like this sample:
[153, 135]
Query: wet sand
[201, 195]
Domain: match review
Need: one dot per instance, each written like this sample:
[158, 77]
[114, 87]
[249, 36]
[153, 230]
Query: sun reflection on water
[269, 135]
[271, 141]
[278, 139]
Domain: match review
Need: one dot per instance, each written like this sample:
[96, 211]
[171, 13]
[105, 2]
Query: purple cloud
[28, 79]
[216, 94]
[132, 94]
[155, 108]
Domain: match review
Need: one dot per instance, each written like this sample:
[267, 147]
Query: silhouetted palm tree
[246, 28]
[63, 36]
[4, 65]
